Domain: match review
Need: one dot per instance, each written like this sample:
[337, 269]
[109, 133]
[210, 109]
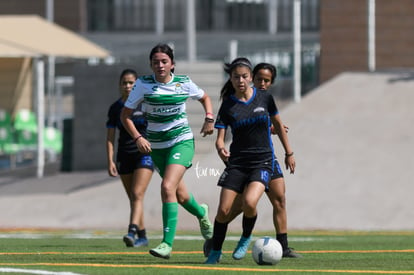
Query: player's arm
[272, 129]
[144, 146]
[110, 139]
[283, 137]
[208, 125]
[221, 149]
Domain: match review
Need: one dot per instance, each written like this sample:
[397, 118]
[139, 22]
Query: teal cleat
[207, 247]
[241, 248]
[214, 257]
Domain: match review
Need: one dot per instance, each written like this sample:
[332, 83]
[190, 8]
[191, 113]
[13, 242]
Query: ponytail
[227, 90]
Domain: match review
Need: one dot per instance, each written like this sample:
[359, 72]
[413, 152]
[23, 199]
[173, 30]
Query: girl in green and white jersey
[169, 138]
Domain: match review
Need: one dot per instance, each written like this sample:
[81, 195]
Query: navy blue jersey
[251, 145]
[126, 144]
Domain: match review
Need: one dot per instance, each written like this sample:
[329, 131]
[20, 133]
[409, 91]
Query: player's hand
[207, 129]
[286, 128]
[224, 155]
[112, 171]
[144, 146]
[273, 130]
[290, 163]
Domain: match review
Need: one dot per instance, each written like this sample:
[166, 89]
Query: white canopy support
[40, 100]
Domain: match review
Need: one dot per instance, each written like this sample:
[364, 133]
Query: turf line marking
[200, 252]
[34, 271]
[210, 267]
[359, 251]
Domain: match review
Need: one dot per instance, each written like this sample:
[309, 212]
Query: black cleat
[290, 253]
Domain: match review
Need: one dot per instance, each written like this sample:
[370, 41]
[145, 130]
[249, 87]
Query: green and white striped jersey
[164, 107]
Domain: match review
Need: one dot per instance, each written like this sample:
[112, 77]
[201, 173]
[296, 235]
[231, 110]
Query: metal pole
[191, 31]
[40, 98]
[272, 12]
[297, 52]
[50, 10]
[51, 97]
[233, 48]
[50, 71]
[159, 17]
[83, 16]
[371, 36]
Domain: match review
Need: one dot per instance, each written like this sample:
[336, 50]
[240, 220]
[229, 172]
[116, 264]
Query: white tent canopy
[31, 35]
[34, 37]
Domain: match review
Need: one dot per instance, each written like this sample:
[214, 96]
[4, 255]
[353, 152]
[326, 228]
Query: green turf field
[95, 252]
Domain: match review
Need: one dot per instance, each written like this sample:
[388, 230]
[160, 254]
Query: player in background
[134, 168]
[170, 139]
[264, 75]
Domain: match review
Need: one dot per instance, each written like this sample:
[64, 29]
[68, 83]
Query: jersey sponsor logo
[166, 110]
[259, 109]
[250, 121]
[177, 156]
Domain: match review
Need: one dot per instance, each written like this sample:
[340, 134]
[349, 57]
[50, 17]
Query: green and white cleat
[206, 227]
[161, 251]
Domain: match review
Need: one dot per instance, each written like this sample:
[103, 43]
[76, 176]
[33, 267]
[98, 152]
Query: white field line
[34, 271]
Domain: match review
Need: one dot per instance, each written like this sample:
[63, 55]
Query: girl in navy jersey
[135, 168]
[249, 113]
[264, 75]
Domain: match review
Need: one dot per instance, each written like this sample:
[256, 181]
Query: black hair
[265, 66]
[163, 48]
[126, 72]
[228, 88]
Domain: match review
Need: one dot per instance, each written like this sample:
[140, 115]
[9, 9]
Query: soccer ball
[267, 251]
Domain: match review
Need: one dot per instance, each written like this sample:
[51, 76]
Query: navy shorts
[277, 171]
[237, 178]
[128, 163]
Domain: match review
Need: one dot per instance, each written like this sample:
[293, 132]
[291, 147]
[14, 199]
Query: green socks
[194, 208]
[169, 219]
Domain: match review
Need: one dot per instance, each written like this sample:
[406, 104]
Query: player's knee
[168, 187]
[223, 214]
[279, 203]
